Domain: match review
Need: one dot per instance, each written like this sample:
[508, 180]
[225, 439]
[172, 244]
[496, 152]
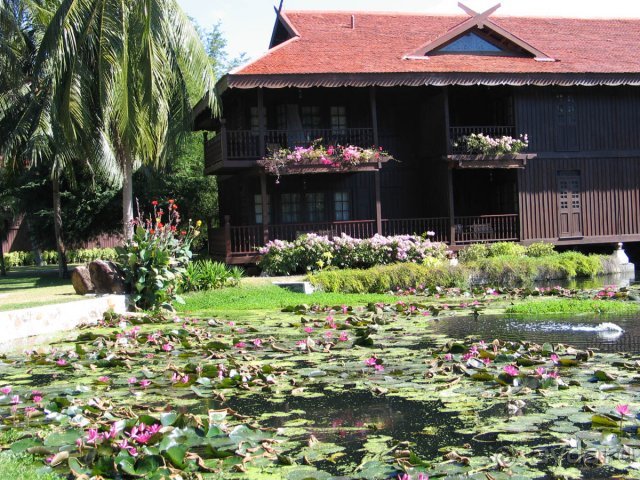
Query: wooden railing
[455, 133]
[486, 228]
[243, 241]
[362, 137]
[213, 153]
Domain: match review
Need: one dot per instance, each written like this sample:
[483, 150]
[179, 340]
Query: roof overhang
[412, 79]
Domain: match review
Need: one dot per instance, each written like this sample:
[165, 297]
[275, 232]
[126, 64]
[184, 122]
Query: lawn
[25, 287]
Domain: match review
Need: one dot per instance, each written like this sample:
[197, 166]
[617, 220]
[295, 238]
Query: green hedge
[387, 278]
[498, 272]
[50, 257]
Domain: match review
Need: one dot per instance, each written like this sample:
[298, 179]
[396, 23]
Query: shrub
[315, 252]
[208, 275]
[50, 257]
[540, 249]
[156, 257]
[381, 279]
[473, 252]
[505, 248]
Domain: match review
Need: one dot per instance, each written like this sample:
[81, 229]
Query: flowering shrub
[156, 256]
[337, 156]
[314, 252]
[481, 144]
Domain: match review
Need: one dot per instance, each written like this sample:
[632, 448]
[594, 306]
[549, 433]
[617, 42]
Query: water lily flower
[371, 361]
[486, 361]
[308, 329]
[554, 358]
[540, 371]
[132, 381]
[6, 390]
[15, 400]
[553, 374]
[623, 410]
[145, 383]
[93, 436]
[378, 367]
[240, 345]
[343, 337]
[257, 342]
[61, 362]
[37, 398]
[345, 309]
[511, 370]
[167, 347]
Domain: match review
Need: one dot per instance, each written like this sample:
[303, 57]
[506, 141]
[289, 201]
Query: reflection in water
[620, 333]
[587, 283]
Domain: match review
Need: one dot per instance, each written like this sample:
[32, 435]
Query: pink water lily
[541, 371]
[511, 370]
[61, 362]
[132, 381]
[240, 345]
[370, 362]
[167, 347]
[623, 410]
[448, 357]
[343, 337]
[6, 390]
[104, 379]
[257, 342]
[145, 383]
[308, 329]
[554, 358]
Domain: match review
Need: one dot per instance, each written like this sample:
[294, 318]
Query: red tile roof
[380, 42]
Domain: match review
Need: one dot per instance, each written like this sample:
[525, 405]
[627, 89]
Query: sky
[247, 24]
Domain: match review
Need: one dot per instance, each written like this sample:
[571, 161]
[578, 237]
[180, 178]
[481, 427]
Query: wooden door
[569, 206]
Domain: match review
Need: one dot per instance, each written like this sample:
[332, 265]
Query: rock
[106, 278]
[81, 280]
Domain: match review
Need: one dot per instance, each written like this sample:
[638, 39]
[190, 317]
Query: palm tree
[124, 69]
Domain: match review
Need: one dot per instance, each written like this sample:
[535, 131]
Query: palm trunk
[127, 196]
[63, 271]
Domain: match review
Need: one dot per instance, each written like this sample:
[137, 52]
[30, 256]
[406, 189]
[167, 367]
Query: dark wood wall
[600, 146]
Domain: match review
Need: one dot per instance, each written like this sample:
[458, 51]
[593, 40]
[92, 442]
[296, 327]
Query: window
[566, 123]
[339, 120]
[311, 118]
[470, 43]
[315, 206]
[342, 206]
[254, 120]
[290, 207]
[257, 206]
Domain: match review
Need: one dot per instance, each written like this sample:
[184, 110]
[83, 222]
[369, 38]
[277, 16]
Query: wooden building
[414, 84]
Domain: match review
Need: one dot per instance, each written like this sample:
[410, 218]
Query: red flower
[183, 232]
[170, 201]
[152, 231]
[154, 203]
[160, 225]
[175, 206]
[173, 228]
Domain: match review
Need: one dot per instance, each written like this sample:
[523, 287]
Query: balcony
[232, 150]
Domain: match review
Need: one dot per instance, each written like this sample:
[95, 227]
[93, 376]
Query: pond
[315, 393]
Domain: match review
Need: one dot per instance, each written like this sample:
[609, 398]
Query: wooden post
[265, 207]
[378, 203]
[452, 232]
[447, 121]
[374, 114]
[262, 128]
[223, 139]
[227, 237]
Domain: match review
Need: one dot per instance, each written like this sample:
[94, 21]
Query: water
[609, 334]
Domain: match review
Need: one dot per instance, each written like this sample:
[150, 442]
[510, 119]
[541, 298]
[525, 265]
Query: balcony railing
[240, 243]
[246, 145]
[492, 130]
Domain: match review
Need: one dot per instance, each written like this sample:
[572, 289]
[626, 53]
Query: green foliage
[505, 248]
[540, 249]
[50, 257]
[382, 279]
[156, 257]
[23, 467]
[572, 306]
[513, 271]
[473, 252]
[208, 275]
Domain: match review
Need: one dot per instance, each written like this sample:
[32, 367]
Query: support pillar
[265, 207]
[262, 128]
[378, 203]
[452, 232]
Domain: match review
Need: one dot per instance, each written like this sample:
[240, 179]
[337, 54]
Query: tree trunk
[63, 271]
[3, 269]
[127, 196]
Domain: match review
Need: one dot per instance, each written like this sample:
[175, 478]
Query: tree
[130, 65]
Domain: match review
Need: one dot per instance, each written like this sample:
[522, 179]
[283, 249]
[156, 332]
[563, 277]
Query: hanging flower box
[490, 161]
[484, 151]
[320, 159]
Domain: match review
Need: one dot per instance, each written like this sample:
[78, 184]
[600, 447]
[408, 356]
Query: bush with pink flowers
[314, 252]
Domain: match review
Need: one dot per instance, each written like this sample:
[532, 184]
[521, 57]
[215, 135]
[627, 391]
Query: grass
[264, 296]
[23, 467]
[25, 287]
[572, 306]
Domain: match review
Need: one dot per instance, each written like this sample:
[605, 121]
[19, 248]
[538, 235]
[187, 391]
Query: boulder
[106, 278]
[81, 280]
